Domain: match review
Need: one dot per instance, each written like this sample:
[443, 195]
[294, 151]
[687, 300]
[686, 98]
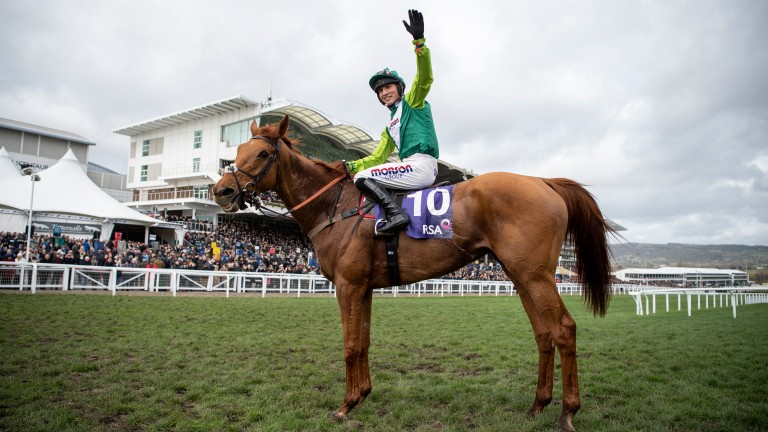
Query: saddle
[391, 240]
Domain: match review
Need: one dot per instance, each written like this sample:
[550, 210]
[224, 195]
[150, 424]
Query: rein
[254, 200]
[318, 193]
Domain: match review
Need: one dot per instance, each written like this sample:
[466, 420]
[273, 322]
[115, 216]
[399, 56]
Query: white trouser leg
[414, 172]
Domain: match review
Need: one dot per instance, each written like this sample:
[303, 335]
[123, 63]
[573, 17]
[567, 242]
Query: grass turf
[75, 362]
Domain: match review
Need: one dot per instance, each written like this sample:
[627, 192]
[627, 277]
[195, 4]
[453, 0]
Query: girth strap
[392, 267]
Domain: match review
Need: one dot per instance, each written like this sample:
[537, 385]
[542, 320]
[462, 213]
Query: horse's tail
[587, 231]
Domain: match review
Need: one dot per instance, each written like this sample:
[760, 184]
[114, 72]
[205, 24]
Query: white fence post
[113, 281]
[33, 281]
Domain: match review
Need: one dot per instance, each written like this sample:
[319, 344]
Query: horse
[521, 220]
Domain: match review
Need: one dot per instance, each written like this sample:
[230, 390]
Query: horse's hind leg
[553, 327]
[546, 348]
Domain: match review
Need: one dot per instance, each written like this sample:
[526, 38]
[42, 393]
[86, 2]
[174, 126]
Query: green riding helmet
[384, 77]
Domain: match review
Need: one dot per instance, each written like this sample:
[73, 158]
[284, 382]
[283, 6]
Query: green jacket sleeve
[423, 79]
[379, 156]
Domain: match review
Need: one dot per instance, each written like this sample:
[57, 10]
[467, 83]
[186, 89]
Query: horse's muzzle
[228, 199]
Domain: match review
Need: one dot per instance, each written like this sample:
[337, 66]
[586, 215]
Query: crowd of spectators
[242, 248]
[272, 198]
[188, 222]
[479, 270]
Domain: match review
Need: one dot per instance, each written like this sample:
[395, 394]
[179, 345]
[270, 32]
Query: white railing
[575, 288]
[32, 277]
[717, 297]
[36, 276]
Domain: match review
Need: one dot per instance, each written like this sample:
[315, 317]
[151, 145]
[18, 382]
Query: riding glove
[416, 27]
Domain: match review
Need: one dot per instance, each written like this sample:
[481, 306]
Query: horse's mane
[272, 131]
[336, 167]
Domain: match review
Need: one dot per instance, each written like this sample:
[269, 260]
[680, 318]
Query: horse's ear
[283, 127]
[254, 128]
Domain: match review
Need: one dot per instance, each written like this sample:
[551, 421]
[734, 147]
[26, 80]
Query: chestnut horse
[521, 220]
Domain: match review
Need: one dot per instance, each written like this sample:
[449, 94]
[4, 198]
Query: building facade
[684, 277]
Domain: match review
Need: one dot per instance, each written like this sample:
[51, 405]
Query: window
[143, 174]
[200, 192]
[184, 192]
[196, 165]
[145, 148]
[236, 134]
[198, 139]
[160, 194]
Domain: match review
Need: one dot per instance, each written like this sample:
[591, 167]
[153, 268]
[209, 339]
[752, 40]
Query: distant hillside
[688, 255]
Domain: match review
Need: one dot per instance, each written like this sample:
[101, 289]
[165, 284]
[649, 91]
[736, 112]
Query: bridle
[250, 195]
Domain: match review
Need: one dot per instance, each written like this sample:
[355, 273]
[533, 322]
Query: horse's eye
[263, 154]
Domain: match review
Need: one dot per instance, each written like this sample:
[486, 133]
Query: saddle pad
[430, 210]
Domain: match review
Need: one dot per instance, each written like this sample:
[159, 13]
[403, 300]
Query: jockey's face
[388, 94]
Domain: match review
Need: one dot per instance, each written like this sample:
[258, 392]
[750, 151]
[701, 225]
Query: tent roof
[8, 169]
[66, 188]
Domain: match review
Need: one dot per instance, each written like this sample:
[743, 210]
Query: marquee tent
[8, 169]
[66, 197]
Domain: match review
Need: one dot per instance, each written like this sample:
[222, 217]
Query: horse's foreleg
[365, 372]
[355, 319]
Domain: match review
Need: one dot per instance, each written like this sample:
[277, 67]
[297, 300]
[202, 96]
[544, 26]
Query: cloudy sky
[661, 107]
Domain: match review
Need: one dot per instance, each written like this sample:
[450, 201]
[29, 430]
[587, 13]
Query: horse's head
[256, 167]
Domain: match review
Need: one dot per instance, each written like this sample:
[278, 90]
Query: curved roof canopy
[350, 136]
[318, 122]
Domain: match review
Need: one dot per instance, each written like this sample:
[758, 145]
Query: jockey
[410, 129]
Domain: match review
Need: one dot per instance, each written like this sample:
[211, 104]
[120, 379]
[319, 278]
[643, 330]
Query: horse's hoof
[339, 417]
[533, 412]
[564, 425]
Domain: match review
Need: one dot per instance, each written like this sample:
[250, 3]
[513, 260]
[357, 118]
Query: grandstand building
[175, 159]
[684, 277]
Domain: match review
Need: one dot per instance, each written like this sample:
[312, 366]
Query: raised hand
[416, 25]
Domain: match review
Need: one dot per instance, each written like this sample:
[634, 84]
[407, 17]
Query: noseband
[250, 196]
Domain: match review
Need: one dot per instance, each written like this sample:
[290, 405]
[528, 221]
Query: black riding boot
[396, 218]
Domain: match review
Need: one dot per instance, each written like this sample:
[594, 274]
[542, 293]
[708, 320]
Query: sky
[659, 107]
